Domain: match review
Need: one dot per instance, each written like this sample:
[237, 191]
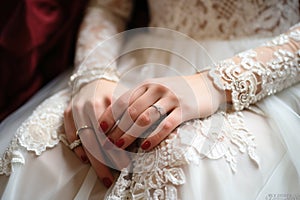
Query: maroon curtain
[37, 41]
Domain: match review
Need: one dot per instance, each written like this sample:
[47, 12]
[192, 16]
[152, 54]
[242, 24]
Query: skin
[181, 99]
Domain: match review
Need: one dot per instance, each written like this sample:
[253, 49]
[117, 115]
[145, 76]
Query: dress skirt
[252, 154]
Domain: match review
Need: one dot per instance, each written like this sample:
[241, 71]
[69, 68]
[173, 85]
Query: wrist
[204, 88]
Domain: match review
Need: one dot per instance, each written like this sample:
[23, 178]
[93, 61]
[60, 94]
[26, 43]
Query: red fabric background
[37, 40]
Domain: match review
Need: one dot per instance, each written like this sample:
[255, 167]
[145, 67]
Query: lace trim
[39, 132]
[42, 128]
[158, 173]
[81, 78]
[94, 54]
[11, 157]
[251, 80]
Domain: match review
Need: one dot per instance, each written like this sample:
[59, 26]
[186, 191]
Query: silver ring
[74, 144]
[159, 109]
[82, 128]
[114, 126]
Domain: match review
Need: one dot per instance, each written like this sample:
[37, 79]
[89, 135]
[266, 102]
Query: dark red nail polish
[84, 159]
[104, 126]
[111, 140]
[120, 142]
[107, 182]
[146, 145]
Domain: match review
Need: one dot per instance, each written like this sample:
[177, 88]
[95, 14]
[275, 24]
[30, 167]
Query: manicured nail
[111, 140]
[104, 126]
[146, 145]
[107, 182]
[120, 142]
[84, 159]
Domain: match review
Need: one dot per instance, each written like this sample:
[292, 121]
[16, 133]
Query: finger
[100, 159]
[97, 159]
[116, 158]
[163, 130]
[136, 110]
[115, 111]
[70, 130]
[143, 123]
[102, 171]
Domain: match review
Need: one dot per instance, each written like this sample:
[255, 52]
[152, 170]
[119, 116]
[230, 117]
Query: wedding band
[159, 109]
[114, 126]
[82, 128]
[75, 144]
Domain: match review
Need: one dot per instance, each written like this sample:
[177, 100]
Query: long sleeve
[257, 73]
[103, 20]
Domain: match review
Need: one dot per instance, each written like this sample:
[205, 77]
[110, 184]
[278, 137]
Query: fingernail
[104, 126]
[120, 142]
[146, 145]
[84, 159]
[106, 182]
[111, 140]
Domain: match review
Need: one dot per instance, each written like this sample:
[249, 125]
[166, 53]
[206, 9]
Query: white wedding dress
[251, 153]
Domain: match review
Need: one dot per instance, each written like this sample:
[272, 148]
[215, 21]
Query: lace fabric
[92, 62]
[157, 174]
[39, 132]
[194, 139]
[256, 73]
[225, 19]
[42, 129]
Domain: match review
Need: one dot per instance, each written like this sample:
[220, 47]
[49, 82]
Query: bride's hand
[174, 99]
[84, 110]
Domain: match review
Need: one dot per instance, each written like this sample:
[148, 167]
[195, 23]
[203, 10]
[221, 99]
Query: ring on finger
[82, 128]
[114, 126]
[159, 109]
[75, 144]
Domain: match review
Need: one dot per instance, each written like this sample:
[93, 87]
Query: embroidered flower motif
[158, 173]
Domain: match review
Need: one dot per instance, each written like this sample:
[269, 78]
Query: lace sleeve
[256, 73]
[103, 19]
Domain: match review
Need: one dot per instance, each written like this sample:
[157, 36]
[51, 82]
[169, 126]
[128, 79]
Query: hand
[178, 99]
[84, 110]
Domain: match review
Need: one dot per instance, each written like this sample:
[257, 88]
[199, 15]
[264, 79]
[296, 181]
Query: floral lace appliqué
[255, 74]
[39, 132]
[158, 174]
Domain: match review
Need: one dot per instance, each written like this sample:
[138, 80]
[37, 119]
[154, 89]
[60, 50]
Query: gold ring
[82, 128]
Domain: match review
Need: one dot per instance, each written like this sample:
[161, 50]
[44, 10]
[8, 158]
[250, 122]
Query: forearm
[254, 74]
[93, 59]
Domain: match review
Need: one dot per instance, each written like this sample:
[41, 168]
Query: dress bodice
[224, 19]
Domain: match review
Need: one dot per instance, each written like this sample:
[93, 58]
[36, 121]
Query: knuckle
[107, 101]
[157, 138]
[160, 88]
[97, 104]
[122, 102]
[173, 98]
[133, 113]
[144, 119]
[168, 125]
[92, 105]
